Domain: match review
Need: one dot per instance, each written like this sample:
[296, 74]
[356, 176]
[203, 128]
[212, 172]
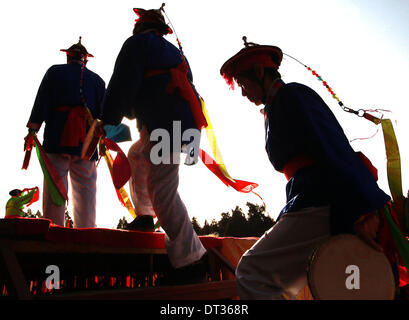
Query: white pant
[277, 262]
[83, 177]
[138, 183]
[154, 192]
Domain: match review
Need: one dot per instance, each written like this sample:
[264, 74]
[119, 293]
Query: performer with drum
[329, 191]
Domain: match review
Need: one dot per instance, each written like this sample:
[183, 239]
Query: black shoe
[190, 274]
[142, 223]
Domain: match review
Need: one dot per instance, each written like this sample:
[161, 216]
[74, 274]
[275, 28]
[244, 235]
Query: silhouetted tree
[214, 225]
[258, 222]
[206, 228]
[236, 224]
[122, 223]
[222, 224]
[29, 214]
[67, 219]
[196, 226]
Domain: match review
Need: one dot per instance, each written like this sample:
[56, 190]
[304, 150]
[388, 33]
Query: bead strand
[325, 84]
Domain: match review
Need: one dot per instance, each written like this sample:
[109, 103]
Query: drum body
[345, 268]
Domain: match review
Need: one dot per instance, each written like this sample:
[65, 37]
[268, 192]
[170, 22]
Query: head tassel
[248, 44]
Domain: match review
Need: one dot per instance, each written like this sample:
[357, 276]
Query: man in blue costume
[68, 97]
[329, 189]
[152, 83]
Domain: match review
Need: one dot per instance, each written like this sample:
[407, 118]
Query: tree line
[67, 218]
[236, 223]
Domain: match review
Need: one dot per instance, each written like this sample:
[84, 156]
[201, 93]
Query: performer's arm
[366, 227]
[100, 93]
[42, 103]
[121, 96]
[26, 198]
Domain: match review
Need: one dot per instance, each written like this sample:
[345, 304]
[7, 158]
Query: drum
[346, 268]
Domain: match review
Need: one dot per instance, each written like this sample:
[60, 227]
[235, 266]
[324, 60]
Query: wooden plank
[11, 271]
[226, 262]
[26, 249]
[216, 290]
[7, 227]
[34, 246]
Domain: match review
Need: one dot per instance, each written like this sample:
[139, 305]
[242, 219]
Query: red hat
[154, 16]
[77, 49]
[246, 58]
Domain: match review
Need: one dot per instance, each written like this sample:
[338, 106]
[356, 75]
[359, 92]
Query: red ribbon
[32, 140]
[296, 163]
[239, 185]
[35, 197]
[74, 130]
[180, 81]
[121, 169]
[28, 147]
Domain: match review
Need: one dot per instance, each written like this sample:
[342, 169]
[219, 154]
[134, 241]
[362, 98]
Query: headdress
[77, 50]
[152, 16]
[252, 54]
[15, 192]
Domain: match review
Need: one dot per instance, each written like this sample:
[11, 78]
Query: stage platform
[100, 263]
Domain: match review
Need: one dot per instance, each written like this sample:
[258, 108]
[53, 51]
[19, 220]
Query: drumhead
[346, 268]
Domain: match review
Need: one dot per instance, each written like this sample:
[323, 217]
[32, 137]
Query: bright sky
[359, 47]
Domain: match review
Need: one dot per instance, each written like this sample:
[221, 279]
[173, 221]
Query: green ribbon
[55, 195]
[401, 242]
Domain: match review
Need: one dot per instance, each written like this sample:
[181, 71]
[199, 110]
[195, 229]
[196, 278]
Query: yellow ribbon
[215, 149]
[110, 161]
[393, 167]
[213, 143]
[122, 191]
[393, 162]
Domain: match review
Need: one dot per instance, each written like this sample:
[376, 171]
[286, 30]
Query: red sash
[179, 80]
[75, 130]
[296, 163]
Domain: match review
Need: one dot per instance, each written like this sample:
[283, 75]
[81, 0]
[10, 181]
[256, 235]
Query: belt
[296, 163]
[179, 80]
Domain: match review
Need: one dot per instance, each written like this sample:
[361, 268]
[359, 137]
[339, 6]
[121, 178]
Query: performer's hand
[99, 129]
[367, 230]
[26, 139]
[31, 132]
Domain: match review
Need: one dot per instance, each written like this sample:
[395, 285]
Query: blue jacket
[132, 94]
[298, 122]
[59, 88]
